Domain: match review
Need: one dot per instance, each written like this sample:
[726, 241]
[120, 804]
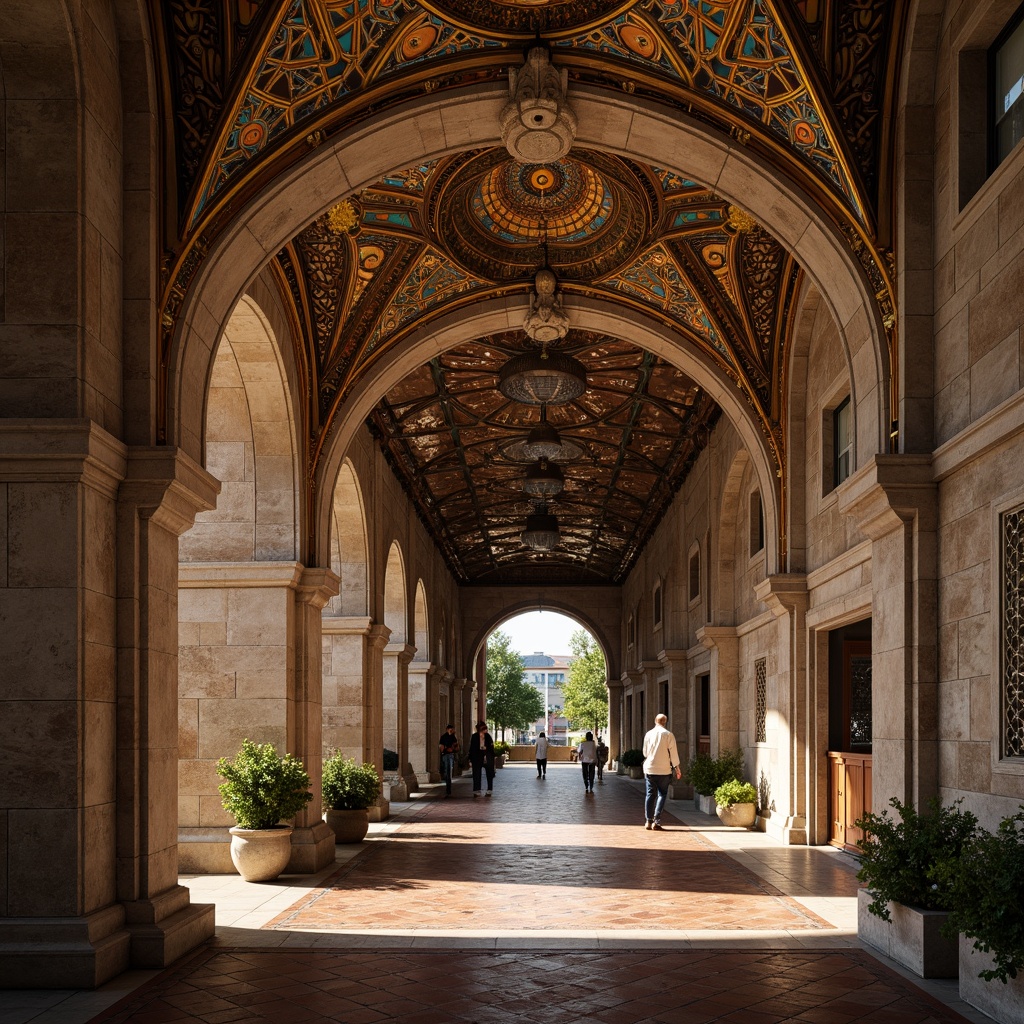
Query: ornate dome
[495, 215]
[527, 17]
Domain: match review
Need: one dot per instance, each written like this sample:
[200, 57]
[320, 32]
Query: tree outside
[585, 691]
[512, 703]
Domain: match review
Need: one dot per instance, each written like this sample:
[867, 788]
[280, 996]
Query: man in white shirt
[661, 762]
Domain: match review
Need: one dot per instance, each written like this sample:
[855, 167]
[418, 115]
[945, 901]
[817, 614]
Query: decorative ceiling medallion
[584, 216]
[537, 124]
[527, 18]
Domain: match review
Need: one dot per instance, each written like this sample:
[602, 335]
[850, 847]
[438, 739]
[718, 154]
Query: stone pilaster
[397, 658]
[674, 666]
[614, 720]
[893, 502]
[373, 711]
[723, 643]
[787, 598]
[424, 719]
[157, 502]
[631, 680]
[313, 840]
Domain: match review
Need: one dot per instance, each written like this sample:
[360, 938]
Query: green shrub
[631, 758]
[348, 786]
[262, 789]
[390, 761]
[735, 792]
[706, 773]
[907, 861]
[986, 895]
[501, 747]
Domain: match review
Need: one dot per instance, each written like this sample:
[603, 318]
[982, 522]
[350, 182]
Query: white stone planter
[736, 815]
[913, 938]
[261, 854]
[348, 826]
[1003, 1002]
[635, 773]
[705, 804]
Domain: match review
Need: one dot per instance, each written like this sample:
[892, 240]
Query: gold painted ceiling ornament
[740, 220]
[537, 124]
[342, 217]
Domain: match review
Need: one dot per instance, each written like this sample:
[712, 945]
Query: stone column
[723, 643]
[631, 681]
[373, 712]
[614, 720]
[674, 664]
[789, 714]
[418, 718]
[396, 684]
[893, 502]
[313, 840]
[346, 667]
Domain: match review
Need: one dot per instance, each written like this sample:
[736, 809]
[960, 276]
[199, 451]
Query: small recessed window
[756, 523]
[656, 606]
[842, 441]
[695, 574]
[1007, 96]
[630, 632]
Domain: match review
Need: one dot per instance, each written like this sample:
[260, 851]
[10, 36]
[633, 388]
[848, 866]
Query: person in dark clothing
[449, 746]
[481, 757]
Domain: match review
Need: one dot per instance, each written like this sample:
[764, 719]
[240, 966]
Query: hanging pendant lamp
[543, 480]
[541, 533]
[542, 378]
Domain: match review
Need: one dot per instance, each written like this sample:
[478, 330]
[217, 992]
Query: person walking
[449, 746]
[542, 756]
[588, 762]
[602, 758]
[661, 762]
[481, 757]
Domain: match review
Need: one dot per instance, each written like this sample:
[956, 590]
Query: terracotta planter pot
[912, 938]
[1003, 1002]
[261, 854]
[737, 815]
[348, 826]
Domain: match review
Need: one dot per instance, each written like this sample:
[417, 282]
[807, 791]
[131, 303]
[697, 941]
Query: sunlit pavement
[541, 903]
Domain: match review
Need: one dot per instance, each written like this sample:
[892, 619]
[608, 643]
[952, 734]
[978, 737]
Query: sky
[540, 631]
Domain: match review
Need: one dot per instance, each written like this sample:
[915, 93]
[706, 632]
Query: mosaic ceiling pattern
[451, 437]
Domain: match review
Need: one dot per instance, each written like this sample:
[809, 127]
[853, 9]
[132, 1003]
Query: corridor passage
[541, 905]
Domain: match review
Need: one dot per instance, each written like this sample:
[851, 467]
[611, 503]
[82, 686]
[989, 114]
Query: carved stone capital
[784, 593]
[317, 586]
[887, 493]
[713, 637]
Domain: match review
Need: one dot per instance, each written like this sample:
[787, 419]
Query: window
[664, 698]
[1012, 635]
[695, 574]
[1006, 99]
[756, 523]
[630, 632]
[760, 701]
[842, 441]
[656, 605]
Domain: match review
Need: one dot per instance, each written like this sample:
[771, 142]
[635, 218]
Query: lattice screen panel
[761, 701]
[1013, 634]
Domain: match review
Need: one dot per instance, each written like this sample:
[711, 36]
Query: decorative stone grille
[761, 701]
[860, 701]
[1013, 634]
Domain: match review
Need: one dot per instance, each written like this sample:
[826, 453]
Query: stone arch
[724, 589]
[250, 448]
[421, 130]
[348, 546]
[421, 623]
[396, 613]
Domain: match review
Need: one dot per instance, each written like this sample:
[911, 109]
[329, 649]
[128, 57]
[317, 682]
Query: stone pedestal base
[64, 952]
[434, 776]
[166, 927]
[312, 849]
[381, 811]
[205, 851]
[398, 791]
[790, 830]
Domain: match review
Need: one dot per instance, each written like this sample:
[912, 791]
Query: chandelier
[541, 533]
[542, 378]
[543, 480]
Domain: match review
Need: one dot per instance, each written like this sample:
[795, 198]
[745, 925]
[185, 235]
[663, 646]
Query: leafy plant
[390, 761]
[501, 747]
[585, 692]
[631, 758]
[262, 789]
[907, 861]
[985, 887]
[735, 792]
[512, 702]
[348, 786]
[706, 773]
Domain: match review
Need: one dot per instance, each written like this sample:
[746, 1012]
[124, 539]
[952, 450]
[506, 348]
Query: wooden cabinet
[849, 791]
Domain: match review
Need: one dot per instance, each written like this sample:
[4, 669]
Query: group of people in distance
[661, 763]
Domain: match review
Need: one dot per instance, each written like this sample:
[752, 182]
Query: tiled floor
[542, 904]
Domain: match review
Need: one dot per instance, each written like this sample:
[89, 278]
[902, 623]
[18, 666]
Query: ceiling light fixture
[543, 480]
[541, 533]
[543, 441]
[542, 378]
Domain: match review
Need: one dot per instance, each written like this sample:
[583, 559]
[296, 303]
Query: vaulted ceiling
[252, 85]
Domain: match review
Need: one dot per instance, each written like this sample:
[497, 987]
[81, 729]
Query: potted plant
[706, 773]
[736, 803]
[986, 906]
[259, 791]
[905, 868]
[502, 750]
[349, 791]
[632, 760]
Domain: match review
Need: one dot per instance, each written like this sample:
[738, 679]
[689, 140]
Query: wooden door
[849, 769]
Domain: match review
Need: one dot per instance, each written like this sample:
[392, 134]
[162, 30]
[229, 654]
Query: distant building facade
[548, 672]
